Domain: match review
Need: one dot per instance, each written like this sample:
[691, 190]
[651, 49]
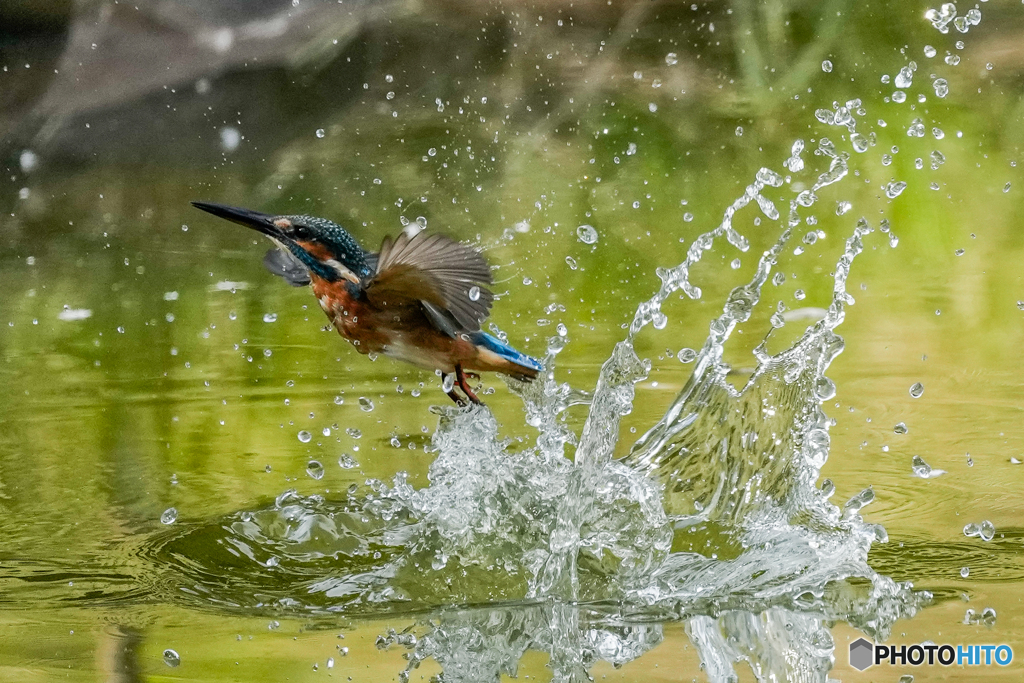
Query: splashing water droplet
[365, 404]
[304, 436]
[315, 469]
[320, 132]
[904, 79]
[929, 51]
[895, 189]
[900, 428]
[671, 59]
[986, 531]
[347, 462]
[686, 355]
[571, 262]
[270, 317]
[923, 470]
[586, 234]
[917, 390]
[965, 572]
[474, 293]
[842, 207]
[171, 658]
[941, 87]
[826, 66]
[169, 516]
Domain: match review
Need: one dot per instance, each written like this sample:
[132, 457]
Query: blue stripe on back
[499, 347]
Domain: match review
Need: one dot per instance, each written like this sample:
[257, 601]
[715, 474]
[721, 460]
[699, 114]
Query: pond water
[769, 254]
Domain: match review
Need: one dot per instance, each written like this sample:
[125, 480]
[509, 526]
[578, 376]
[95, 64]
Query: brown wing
[436, 270]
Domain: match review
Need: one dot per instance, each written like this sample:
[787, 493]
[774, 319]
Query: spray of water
[716, 516]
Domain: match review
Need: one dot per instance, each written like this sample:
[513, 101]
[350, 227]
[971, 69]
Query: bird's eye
[300, 232]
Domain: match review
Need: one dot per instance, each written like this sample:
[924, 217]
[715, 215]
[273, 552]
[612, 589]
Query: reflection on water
[173, 416]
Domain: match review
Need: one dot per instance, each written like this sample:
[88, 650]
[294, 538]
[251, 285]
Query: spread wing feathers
[436, 271]
[286, 265]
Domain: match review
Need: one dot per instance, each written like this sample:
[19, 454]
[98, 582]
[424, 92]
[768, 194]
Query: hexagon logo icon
[861, 654]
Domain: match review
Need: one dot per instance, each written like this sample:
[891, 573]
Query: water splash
[715, 517]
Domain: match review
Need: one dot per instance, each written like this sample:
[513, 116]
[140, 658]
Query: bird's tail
[520, 366]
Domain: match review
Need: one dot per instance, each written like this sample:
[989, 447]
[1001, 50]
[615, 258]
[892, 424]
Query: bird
[420, 299]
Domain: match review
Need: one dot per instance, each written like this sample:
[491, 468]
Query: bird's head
[324, 247]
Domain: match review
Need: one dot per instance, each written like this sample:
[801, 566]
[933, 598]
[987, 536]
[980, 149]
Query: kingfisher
[420, 299]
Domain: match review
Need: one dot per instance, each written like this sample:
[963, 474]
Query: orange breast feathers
[350, 316]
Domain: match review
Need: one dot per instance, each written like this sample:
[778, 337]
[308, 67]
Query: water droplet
[1006, 188]
[671, 59]
[941, 87]
[687, 217]
[171, 658]
[799, 295]
[965, 572]
[923, 469]
[320, 132]
[169, 516]
[986, 530]
[843, 207]
[28, 161]
[824, 388]
[347, 462]
[586, 234]
[653, 107]
[899, 97]
[571, 262]
[365, 404]
[315, 469]
[904, 79]
[448, 383]
[916, 129]
[929, 51]
[895, 188]
[269, 317]
[826, 66]
[274, 624]
[305, 437]
[432, 151]
[917, 390]
[736, 263]
[474, 293]
[778, 278]
[230, 138]
[900, 428]
[659, 320]
[686, 355]
[959, 252]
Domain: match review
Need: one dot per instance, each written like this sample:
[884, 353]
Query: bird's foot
[460, 375]
[458, 399]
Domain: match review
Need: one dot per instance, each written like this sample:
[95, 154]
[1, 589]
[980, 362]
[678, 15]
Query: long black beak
[251, 219]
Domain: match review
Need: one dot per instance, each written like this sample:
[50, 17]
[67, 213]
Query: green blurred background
[148, 361]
